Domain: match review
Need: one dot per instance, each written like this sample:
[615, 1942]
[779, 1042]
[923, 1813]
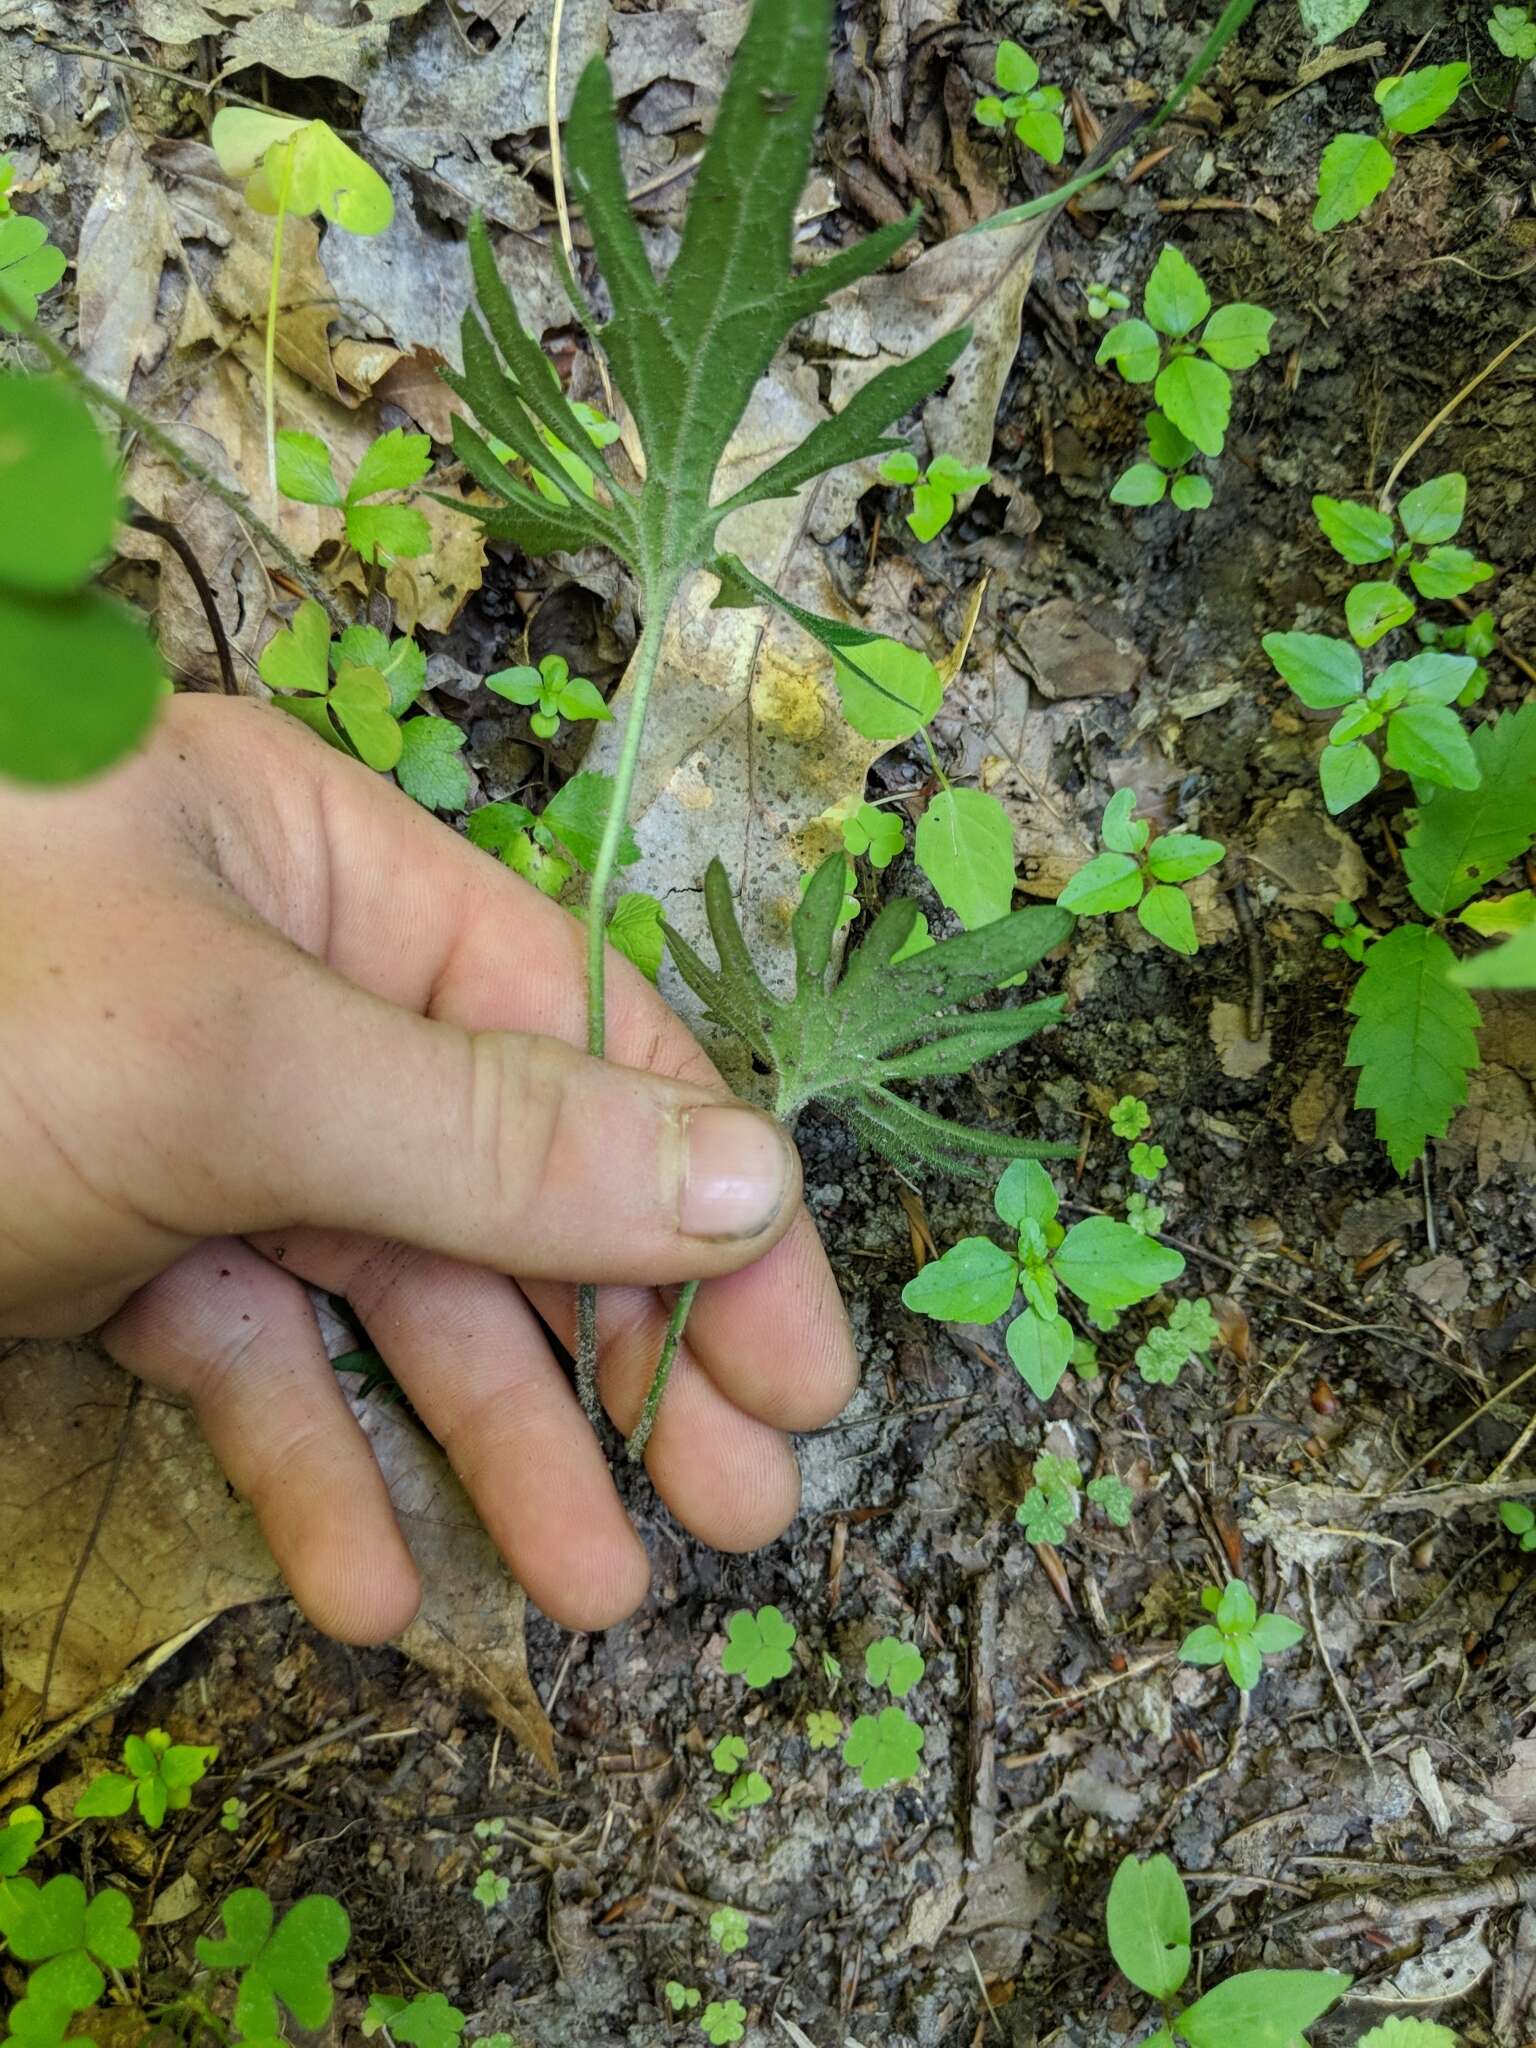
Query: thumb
[500, 1148]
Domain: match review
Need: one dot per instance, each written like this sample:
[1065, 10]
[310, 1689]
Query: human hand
[264, 1021]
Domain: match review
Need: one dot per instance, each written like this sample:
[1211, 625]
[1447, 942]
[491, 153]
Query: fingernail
[737, 1172]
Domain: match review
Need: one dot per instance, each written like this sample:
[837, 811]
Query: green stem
[61, 360]
[657, 599]
[269, 364]
[640, 1435]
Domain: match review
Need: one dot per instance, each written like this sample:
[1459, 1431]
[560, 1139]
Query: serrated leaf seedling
[1356, 169]
[1237, 1635]
[728, 1930]
[1164, 473]
[681, 1997]
[1186, 351]
[1030, 109]
[423, 2020]
[1349, 936]
[1141, 873]
[758, 1647]
[1429, 517]
[934, 490]
[552, 692]
[396, 461]
[1106, 1264]
[895, 1664]
[1110, 1493]
[1513, 33]
[724, 2021]
[823, 1728]
[1129, 1118]
[547, 850]
[1188, 1337]
[1050, 1507]
[884, 1748]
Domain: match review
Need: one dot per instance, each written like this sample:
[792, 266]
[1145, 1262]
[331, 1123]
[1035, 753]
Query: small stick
[162, 529]
[1242, 910]
[1384, 500]
[1333, 1677]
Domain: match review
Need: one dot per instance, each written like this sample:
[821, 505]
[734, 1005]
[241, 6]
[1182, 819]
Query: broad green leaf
[1372, 610]
[494, 826]
[1237, 336]
[1041, 1347]
[1175, 301]
[1448, 572]
[1142, 484]
[289, 1962]
[964, 845]
[1323, 672]
[1110, 1266]
[29, 266]
[1119, 827]
[58, 487]
[1501, 916]
[1414, 1041]
[429, 768]
[1463, 840]
[956, 477]
[400, 662]
[383, 532]
[427, 2020]
[80, 682]
[241, 137]
[1191, 493]
[108, 1796]
[1180, 856]
[310, 170]
[634, 929]
[297, 657]
[522, 685]
[1197, 396]
[1245, 1666]
[1400, 2032]
[896, 1665]
[1276, 1632]
[577, 813]
[1347, 774]
[1418, 99]
[21, 1834]
[1429, 742]
[884, 1748]
[900, 467]
[581, 698]
[360, 701]
[396, 461]
[1167, 915]
[1237, 1607]
[1260, 2008]
[1109, 882]
[1327, 20]
[974, 1282]
[888, 690]
[304, 470]
[69, 1938]
[1354, 170]
[1134, 349]
[1167, 446]
[1357, 532]
[1026, 1190]
[1433, 511]
[1512, 965]
[931, 510]
[1147, 1920]
[1014, 69]
[1204, 1645]
[1040, 129]
[1514, 32]
[1428, 678]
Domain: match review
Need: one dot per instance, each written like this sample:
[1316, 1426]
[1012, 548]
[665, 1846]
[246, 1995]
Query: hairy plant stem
[61, 360]
[269, 360]
[657, 600]
[640, 1435]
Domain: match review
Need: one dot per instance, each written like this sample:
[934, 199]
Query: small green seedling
[1520, 1521]
[724, 2022]
[490, 1888]
[1165, 472]
[572, 819]
[1513, 30]
[1032, 109]
[934, 490]
[874, 833]
[1107, 1265]
[747, 1790]
[1148, 1923]
[831, 1670]
[396, 461]
[1411, 699]
[600, 431]
[1129, 1118]
[681, 1997]
[1050, 1507]
[71, 1939]
[1401, 2032]
[884, 1748]
[19, 1837]
[285, 1960]
[297, 167]
[1110, 1493]
[1349, 936]
[1146, 1161]
[1356, 169]
[425, 2020]
[1131, 874]
[355, 693]
[728, 1929]
[1238, 1635]
[233, 1815]
[1430, 517]
[1187, 369]
[758, 1646]
[1104, 299]
[964, 845]
[29, 263]
[823, 1729]
[1477, 636]
[553, 690]
[1188, 1337]
[729, 1754]
[1145, 1215]
[157, 1775]
[896, 1665]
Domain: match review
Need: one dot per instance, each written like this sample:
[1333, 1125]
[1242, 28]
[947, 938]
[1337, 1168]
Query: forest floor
[1369, 1323]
